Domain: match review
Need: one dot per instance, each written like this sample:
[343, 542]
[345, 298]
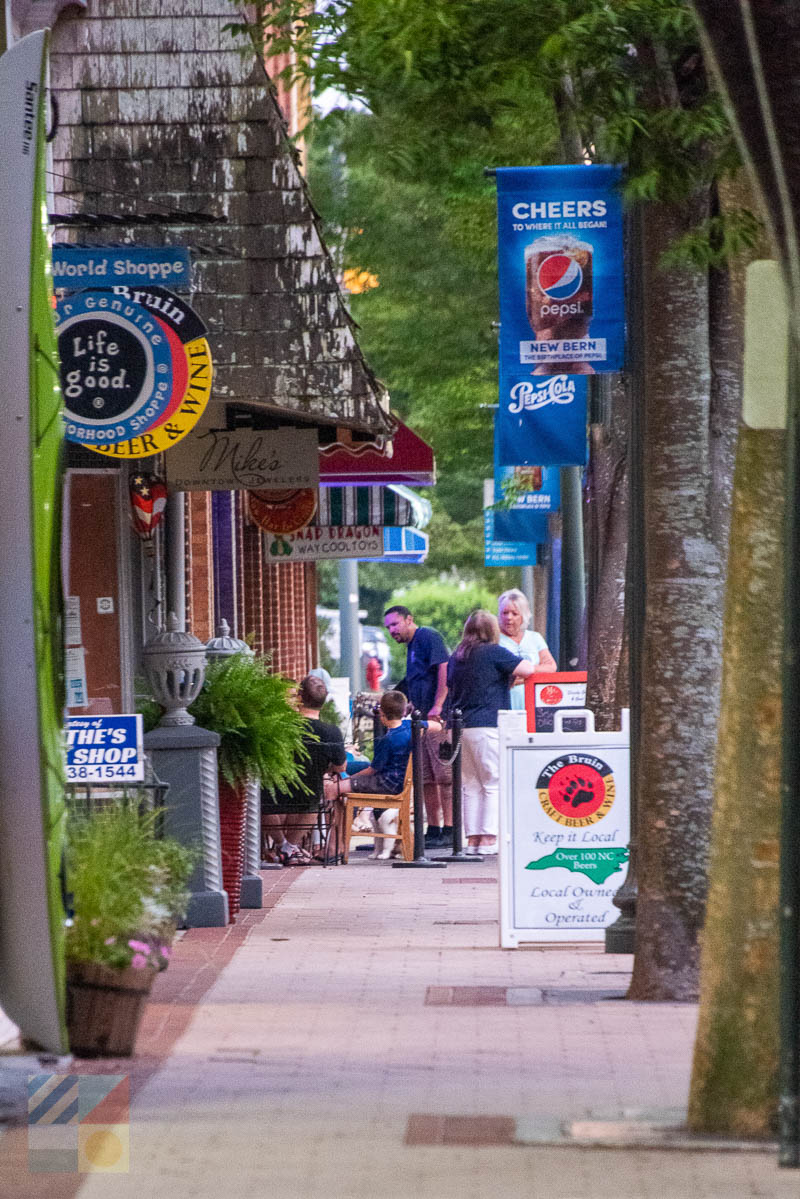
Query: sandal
[295, 857]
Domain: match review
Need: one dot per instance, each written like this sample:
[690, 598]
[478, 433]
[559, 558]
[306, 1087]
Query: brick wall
[252, 571]
[286, 630]
[199, 572]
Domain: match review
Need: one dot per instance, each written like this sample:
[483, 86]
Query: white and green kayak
[31, 674]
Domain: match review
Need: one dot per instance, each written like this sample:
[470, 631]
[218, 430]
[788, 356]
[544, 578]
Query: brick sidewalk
[367, 1037]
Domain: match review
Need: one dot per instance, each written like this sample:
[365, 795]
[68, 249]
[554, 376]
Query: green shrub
[261, 732]
[128, 886]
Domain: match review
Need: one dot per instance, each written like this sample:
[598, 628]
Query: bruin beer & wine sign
[560, 265]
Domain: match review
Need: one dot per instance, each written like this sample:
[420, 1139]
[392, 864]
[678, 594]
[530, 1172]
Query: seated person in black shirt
[285, 816]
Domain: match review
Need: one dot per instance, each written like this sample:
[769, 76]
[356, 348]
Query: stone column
[185, 756]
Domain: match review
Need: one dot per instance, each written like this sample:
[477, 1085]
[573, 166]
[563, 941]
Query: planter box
[232, 831]
[104, 1008]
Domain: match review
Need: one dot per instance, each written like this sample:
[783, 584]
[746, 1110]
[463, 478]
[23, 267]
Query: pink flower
[166, 952]
[138, 961]
[110, 941]
[141, 946]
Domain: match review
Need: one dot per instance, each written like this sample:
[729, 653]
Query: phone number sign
[105, 749]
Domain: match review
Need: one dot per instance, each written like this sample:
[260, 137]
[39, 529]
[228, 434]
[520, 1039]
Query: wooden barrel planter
[105, 1007]
[232, 829]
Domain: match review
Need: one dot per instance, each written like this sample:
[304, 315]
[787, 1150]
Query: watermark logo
[78, 1123]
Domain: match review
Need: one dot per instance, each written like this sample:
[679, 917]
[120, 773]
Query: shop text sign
[76, 267]
[317, 542]
[105, 749]
[244, 460]
[565, 829]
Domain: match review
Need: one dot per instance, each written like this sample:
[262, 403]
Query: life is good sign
[105, 749]
[564, 832]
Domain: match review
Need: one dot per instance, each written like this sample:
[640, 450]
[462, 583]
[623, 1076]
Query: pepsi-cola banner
[542, 422]
[561, 272]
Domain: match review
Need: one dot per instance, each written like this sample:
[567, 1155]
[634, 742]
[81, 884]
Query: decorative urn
[174, 666]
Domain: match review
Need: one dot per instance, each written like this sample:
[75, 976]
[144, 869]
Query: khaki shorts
[434, 770]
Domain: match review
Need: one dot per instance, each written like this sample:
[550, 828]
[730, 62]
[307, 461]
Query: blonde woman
[514, 618]
[478, 678]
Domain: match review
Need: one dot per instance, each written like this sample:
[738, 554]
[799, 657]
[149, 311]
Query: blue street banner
[560, 255]
[506, 553]
[514, 551]
[542, 422]
[521, 522]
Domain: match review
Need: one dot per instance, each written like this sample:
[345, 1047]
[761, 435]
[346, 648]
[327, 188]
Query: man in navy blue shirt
[425, 684]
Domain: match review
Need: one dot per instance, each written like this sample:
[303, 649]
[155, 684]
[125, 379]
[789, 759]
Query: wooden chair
[403, 804]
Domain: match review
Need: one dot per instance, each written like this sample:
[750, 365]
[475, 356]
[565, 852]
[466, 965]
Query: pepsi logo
[559, 276]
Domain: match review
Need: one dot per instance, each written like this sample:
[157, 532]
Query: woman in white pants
[479, 674]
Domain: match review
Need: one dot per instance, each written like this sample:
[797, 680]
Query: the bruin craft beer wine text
[558, 295]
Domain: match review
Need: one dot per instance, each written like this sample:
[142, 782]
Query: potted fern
[261, 740]
[128, 889]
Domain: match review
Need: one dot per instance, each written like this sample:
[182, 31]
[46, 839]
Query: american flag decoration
[148, 502]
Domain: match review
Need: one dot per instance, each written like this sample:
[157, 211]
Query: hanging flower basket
[232, 829]
[104, 1008]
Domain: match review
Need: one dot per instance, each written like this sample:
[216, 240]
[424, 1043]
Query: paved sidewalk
[367, 1038]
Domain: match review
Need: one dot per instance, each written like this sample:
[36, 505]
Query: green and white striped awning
[387, 506]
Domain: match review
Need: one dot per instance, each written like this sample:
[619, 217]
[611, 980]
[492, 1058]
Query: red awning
[401, 458]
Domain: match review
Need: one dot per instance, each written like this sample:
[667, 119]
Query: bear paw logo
[579, 791]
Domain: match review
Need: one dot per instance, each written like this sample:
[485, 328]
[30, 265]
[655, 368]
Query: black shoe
[433, 838]
[446, 840]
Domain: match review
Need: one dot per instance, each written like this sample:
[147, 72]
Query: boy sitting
[386, 773]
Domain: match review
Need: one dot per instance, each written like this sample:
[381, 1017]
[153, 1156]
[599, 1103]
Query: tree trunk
[735, 1078]
[685, 571]
[608, 523]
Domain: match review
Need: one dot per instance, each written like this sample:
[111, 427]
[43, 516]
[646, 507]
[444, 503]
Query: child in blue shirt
[386, 772]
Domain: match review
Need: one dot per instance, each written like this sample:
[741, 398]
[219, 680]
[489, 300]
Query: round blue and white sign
[116, 367]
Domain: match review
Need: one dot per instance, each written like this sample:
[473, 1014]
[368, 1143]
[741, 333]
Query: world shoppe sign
[135, 369]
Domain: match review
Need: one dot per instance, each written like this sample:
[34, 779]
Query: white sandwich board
[564, 831]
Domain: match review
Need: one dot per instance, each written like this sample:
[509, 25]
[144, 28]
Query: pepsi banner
[561, 272]
[542, 422]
